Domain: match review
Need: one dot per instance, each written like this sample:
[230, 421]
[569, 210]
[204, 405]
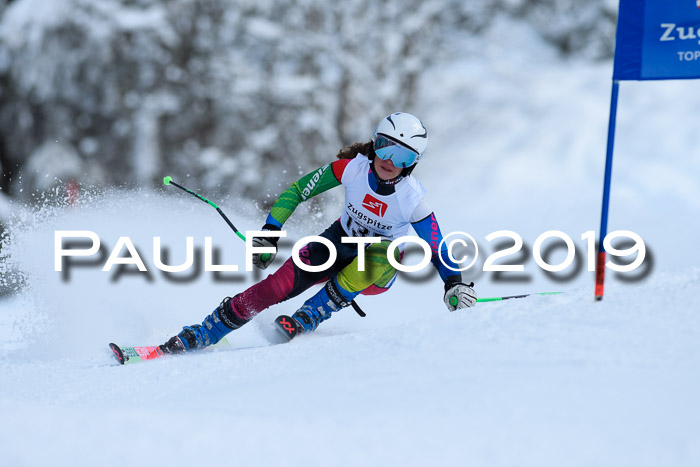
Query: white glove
[258, 260]
[459, 295]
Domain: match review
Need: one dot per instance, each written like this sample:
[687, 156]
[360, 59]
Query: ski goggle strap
[388, 149]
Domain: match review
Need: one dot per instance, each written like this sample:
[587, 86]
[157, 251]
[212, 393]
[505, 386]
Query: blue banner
[657, 39]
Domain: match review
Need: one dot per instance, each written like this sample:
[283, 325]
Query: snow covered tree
[231, 93]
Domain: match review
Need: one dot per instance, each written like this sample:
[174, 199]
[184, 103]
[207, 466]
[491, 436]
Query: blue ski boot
[318, 308]
[214, 327]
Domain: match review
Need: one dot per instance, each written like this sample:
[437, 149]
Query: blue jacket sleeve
[429, 230]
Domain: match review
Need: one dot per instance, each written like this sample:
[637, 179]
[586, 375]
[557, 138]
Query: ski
[129, 355]
[287, 327]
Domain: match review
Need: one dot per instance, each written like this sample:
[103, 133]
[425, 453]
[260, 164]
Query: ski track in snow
[543, 381]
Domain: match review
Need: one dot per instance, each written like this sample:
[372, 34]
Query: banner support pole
[600, 263]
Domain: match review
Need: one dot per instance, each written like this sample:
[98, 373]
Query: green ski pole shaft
[454, 300]
[509, 297]
[169, 181]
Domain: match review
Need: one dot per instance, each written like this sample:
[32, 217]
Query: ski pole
[169, 181]
[498, 299]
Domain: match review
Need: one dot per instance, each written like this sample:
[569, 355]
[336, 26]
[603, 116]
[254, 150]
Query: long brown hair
[350, 152]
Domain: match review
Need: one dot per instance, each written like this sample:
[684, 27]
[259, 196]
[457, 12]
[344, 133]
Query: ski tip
[118, 354]
[223, 343]
[287, 327]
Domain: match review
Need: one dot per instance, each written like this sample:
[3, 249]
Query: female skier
[382, 199]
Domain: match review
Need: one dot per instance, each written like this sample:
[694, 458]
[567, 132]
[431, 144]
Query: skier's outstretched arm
[457, 293]
[310, 185]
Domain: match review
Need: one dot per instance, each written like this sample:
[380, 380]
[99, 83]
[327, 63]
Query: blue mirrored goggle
[388, 149]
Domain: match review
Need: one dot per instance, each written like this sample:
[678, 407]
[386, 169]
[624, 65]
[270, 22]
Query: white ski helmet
[401, 137]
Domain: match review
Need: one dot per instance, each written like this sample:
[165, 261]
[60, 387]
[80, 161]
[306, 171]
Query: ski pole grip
[454, 301]
[265, 256]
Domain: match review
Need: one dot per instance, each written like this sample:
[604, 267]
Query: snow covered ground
[516, 143]
[545, 381]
